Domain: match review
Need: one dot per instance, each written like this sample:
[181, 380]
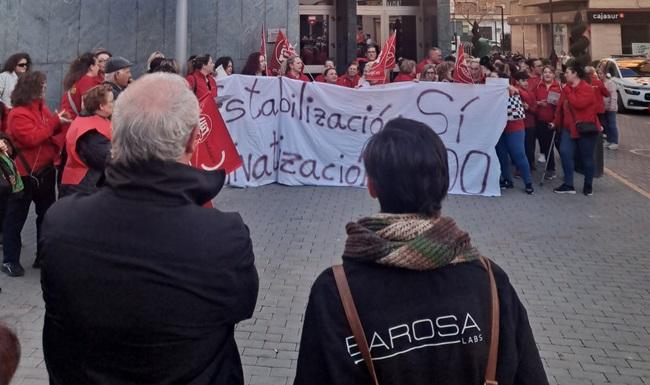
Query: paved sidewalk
[580, 264]
[632, 160]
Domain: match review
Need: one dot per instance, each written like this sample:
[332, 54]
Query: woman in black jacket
[422, 294]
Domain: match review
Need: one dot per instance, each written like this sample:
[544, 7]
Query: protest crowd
[110, 169]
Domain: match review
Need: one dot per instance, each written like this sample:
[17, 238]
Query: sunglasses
[22, 65]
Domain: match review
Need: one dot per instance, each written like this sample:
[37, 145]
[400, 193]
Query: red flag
[376, 74]
[461, 72]
[282, 51]
[263, 48]
[215, 149]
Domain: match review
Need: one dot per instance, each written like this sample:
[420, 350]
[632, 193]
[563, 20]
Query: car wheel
[621, 104]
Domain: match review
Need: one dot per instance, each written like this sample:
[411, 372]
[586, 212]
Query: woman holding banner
[293, 67]
[255, 65]
[351, 77]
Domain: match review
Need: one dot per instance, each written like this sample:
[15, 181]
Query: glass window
[314, 39]
[634, 68]
[368, 32]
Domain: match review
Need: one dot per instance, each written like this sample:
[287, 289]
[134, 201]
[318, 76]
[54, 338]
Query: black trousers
[545, 135]
[531, 137]
[43, 195]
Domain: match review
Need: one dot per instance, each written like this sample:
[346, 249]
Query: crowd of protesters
[125, 240]
[144, 285]
[548, 109]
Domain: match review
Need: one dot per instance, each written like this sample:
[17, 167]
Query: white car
[632, 77]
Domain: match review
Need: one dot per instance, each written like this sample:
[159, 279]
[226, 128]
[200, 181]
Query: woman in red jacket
[82, 76]
[201, 80]
[351, 77]
[577, 105]
[293, 69]
[406, 71]
[36, 133]
[547, 95]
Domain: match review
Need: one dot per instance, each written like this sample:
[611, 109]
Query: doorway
[378, 18]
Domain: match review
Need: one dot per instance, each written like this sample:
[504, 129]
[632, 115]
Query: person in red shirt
[577, 104]
[201, 81]
[600, 91]
[82, 75]
[293, 69]
[330, 76]
[434, 57]
[351, 77]
[88, 143]
[406, 72]
[329, 63]
[547, 95]
[535, 70]
[38, 137]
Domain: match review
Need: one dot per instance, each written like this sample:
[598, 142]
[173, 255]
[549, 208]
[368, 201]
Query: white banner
[297, 133]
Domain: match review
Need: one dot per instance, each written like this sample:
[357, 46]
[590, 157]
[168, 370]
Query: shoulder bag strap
[72, 104]
[353, 319]
[22, 159]
[491, 369]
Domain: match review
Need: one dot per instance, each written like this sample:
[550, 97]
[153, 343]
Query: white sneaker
[613, 146]
[542, 158]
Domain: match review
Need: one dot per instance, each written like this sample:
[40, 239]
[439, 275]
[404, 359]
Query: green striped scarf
[409, 241]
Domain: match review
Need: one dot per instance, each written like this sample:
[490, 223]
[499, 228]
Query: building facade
[55, 32]
[615, 27]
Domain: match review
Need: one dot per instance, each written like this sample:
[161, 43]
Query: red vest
[75, 169]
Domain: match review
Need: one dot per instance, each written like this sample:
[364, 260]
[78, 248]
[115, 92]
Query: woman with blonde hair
[292, 68]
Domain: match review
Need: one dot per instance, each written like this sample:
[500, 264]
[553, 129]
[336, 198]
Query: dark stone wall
[54, 32]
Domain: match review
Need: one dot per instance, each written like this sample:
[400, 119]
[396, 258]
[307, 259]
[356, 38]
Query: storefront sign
[298, 133]
[605, 17]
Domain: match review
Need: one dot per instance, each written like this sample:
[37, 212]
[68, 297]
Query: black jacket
[142, 285]
[423, 327]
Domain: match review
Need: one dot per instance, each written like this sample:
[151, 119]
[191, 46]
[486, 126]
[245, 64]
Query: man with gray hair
[143, 285]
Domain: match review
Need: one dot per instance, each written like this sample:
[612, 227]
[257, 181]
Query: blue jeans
[513, 144]
[586, 146]
[608, 121]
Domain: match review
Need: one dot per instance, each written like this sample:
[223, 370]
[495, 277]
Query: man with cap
[118, 74]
